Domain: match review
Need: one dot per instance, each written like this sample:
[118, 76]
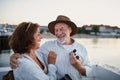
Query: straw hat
[64, 19]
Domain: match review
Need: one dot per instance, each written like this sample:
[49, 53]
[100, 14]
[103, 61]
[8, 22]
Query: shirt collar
[61, 45]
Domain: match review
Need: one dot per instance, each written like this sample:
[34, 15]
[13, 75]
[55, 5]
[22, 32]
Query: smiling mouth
[61, 36]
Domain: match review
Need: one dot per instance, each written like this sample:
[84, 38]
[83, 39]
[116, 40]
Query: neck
[32, 53]
[69, 41]
[34, 57]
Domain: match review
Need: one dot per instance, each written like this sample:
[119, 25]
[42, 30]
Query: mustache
[60, 35]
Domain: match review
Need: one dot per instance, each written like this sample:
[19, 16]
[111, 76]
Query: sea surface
[100, 51]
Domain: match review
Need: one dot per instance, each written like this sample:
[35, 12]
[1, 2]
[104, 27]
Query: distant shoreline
[49, 35]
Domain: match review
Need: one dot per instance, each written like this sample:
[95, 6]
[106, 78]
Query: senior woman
[25, 40]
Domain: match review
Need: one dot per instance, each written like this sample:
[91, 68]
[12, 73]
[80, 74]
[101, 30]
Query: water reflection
[95, 40]
[5, 58]
[100, 50]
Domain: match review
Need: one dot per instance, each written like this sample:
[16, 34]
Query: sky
[82, 12]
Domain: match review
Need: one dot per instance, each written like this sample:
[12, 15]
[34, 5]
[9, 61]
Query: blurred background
[98, 24]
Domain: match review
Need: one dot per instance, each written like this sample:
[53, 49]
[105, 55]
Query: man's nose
[59, 32]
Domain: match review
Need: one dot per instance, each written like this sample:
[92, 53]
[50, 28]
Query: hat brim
[70, 23]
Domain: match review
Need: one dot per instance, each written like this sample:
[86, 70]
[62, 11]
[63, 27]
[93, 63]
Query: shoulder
[49, 43]
[27, 70]
[24, 62]
[26, 65]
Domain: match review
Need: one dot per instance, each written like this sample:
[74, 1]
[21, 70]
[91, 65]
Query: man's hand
[77, 64]
[52, 57]
[13, 60]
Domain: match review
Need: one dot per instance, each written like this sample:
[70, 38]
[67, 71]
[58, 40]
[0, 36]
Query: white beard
[63, 41]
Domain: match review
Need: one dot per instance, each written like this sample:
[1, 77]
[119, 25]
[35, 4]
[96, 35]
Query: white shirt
[62, 62]
[29, 70]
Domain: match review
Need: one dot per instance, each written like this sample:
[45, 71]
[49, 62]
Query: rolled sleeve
[52, 71]
[89, 71]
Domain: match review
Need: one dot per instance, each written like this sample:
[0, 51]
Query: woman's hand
[52, 57]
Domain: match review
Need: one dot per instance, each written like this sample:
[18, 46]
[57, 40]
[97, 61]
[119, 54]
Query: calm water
[102, 51]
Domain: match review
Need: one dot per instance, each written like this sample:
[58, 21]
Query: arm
[84, 68]
[51, 67]
[77, 64]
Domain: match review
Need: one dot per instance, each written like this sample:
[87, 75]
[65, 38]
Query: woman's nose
[41, 37]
